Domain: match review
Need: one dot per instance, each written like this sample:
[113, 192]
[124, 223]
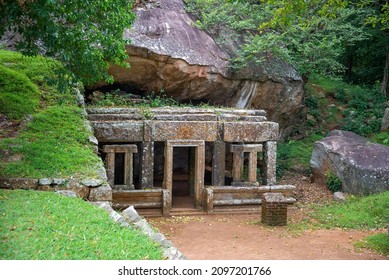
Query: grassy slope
[45, 225]
[38, 225]
[55, 143]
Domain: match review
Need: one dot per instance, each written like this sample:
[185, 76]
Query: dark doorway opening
[183, 178]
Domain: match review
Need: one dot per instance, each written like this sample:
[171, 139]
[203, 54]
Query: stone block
[45, 181]
[18, 183]
[102, 193]
[250, 131]
[81, 190]
[118, 131]
[92, 183]
[181, 130]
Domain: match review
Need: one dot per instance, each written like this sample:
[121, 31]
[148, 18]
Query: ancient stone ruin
[166, 159]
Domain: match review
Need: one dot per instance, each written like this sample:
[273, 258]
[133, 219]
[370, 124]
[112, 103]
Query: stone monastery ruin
[171, 159]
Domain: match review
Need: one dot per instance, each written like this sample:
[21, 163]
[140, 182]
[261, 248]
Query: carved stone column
[269, 158]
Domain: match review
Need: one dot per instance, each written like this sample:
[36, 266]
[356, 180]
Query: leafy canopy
[86, 36]
[313, 35]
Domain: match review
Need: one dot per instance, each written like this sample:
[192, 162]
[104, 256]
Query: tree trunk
[385, 81]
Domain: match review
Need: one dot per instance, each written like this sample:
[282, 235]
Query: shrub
[332, 182]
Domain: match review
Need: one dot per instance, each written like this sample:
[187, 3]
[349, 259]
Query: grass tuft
[366, 212]
[377, 242]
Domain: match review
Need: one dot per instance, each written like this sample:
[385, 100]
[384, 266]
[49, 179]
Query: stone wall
[88, 189]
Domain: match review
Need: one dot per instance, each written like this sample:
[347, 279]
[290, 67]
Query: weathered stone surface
[18, 183]
[168, 52]
[118, 131]
[93, 183]
[362, 166]
[172, 253]
[339, 196]
[250, 131]
[102, 193]
[57, 181]
[385, 120]
[131, 215]
[177, 130]
[81, 190]
[270, 159]
[112, 213]
[45, 181]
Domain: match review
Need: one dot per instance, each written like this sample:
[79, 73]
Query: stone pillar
[110, 166]
[269, 158]
[147, 165]
[237, 165]
[218, 163]
[199, 173]
[111, 151]
[274, 209]
[253, 157]
[168, 167]
[238, 159]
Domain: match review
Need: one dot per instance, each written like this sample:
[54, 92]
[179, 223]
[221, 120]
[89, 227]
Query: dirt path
[244, 237]
[239, 237]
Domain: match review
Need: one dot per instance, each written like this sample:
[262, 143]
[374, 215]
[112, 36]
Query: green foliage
[365, 111]
[381, 138]
[355, 213]
[377, 242]
[309, 35]
[295, 155]
[332, 182]
[353, 108]
[18, 95]
[47, 226]
[86, 36]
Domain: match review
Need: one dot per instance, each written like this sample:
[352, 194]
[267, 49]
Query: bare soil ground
[243, 237]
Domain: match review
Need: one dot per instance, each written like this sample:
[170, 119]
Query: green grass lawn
[48, 226]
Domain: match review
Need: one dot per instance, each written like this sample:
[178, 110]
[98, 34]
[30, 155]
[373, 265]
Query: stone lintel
[246, 148]
[123, 131]
[185, 143]
[186, 117]
[178, 130]
[250, 131]
[125, 148]
[115, 117]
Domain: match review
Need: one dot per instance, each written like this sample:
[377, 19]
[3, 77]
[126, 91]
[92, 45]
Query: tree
[313, 35]
[86, 36]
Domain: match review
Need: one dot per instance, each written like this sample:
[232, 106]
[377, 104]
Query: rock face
[168, 53]
[362, 166]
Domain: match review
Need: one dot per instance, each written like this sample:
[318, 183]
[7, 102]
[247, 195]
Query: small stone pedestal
[274, 209]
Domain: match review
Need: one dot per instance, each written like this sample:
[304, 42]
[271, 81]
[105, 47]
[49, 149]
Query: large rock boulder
[362, 166]
[168, 53]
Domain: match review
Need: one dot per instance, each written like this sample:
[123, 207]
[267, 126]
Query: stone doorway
[185, 185]
[183, 178]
